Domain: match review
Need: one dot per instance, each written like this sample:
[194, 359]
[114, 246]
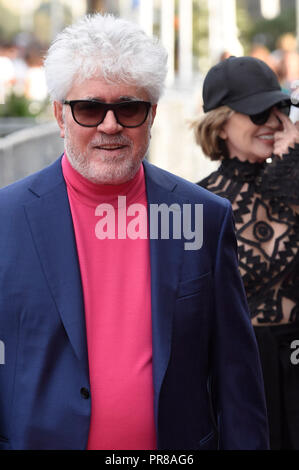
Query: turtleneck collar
[90, 193]
[236, 169]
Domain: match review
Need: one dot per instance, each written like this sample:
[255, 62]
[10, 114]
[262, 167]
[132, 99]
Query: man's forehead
[98, 88]
[118, 99]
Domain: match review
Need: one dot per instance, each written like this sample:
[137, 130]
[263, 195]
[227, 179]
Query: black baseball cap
[245, 84]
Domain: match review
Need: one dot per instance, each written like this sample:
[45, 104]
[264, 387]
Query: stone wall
[28, 150]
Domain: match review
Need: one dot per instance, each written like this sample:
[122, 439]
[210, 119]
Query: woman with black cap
[246, 123]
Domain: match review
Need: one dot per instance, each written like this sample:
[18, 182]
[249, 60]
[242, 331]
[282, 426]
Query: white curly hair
[109, 47]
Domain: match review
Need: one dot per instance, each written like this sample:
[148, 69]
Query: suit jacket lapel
[166, 258]
[51, 224]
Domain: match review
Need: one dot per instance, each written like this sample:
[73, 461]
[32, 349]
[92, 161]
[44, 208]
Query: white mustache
[116, 140]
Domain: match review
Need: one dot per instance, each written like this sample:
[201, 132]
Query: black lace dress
[265, 201]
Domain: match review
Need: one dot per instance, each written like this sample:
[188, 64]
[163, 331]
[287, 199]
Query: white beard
[105, 170]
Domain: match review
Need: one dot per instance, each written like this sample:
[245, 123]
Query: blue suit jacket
[206, 372]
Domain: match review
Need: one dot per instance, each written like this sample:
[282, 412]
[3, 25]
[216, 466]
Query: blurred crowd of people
[22, 70]
[22, 73]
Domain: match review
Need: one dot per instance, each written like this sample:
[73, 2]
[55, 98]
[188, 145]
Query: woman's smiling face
[246, 140]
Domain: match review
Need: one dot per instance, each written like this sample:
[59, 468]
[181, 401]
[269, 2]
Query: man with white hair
[118, 333]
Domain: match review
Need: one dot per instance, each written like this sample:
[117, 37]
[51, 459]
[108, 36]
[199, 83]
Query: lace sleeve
[280, 179]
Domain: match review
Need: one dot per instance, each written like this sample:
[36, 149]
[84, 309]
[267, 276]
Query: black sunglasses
[91, 113]
[261, 118]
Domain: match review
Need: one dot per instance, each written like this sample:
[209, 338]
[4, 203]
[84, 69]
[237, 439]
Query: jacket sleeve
[280, 181]
[239, 390]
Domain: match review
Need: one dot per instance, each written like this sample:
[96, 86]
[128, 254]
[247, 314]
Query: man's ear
[58, 112]
[154, 110]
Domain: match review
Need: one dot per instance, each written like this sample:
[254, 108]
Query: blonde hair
[207, 129]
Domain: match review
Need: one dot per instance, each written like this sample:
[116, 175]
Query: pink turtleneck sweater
[117, 298]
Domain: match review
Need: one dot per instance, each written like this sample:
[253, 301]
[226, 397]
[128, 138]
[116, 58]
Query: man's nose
[109, 125]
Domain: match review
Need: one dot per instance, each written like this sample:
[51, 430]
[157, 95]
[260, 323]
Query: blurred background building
[196, 33]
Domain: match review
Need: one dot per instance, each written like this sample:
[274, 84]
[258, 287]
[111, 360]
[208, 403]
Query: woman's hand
[287, 137]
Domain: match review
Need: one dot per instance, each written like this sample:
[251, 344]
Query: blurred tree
[245, 24]
[201, 31]
[96, 5]
[19, 106]
[9, 25]
[200, 34]
[42, 21]
[265, 31]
